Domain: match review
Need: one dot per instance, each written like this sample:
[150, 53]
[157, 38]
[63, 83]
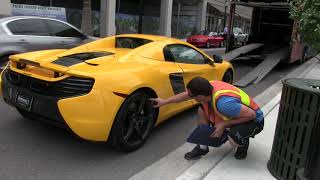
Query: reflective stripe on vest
[244, 97]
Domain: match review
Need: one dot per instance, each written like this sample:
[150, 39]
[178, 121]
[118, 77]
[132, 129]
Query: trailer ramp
[241, 51]
[260, 71]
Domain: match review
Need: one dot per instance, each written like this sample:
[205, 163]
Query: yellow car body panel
[91, 116]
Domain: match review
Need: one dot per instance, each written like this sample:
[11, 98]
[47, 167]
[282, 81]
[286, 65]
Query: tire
[3, 62]
[208, 45]
[133, 122]
[221, 44]
[228, 76]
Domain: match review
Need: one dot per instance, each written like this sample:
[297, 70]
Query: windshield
[237, 30]
[203, 33]
[130, 42]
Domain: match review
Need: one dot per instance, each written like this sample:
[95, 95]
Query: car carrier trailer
[273, 36]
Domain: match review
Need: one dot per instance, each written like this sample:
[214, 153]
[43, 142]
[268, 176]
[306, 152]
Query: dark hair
[200, 86]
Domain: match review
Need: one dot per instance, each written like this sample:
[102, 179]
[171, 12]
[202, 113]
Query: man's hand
[219, 128]
[157, 102]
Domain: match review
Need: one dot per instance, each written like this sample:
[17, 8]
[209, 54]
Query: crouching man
[228, 109]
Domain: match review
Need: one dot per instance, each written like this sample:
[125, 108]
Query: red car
[206, 39]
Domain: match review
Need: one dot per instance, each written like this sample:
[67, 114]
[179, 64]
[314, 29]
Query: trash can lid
[312, 85]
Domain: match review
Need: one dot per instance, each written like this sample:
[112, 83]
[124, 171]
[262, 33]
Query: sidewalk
[219, 163]
[255, 165]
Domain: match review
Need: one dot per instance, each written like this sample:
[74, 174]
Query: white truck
[240, 37]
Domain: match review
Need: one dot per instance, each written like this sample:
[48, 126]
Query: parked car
[239, 36]
[19, 34]
[101, 90]
[206, 39]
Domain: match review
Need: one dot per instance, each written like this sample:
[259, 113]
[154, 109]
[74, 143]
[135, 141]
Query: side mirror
[217, 58]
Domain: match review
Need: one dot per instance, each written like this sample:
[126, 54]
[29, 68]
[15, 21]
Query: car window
[203, 33]
[62, 30]
[184, 54]
[35, 27]
[129, 42]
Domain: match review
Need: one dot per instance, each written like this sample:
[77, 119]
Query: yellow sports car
[100, 90]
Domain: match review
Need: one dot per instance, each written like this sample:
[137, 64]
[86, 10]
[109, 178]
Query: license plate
[24, 101]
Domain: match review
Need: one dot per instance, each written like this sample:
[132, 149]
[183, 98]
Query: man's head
[200, 89]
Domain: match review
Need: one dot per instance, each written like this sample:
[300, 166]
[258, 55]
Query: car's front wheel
[133, 122]
[221, 44]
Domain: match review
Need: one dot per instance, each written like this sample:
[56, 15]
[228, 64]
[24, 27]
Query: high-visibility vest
[224, 89]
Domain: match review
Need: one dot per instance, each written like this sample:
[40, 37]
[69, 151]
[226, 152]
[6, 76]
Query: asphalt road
[30, 150]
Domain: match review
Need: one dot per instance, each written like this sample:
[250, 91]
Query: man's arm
[173, 99]
[246, 115]
[238, 112]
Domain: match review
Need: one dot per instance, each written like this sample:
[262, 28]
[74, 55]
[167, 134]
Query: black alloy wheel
[228, 76]
[133, 122]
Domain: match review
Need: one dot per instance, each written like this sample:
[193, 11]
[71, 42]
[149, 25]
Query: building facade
[177, 18]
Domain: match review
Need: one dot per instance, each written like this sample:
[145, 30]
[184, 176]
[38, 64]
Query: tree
[306, 13]
[86, 23]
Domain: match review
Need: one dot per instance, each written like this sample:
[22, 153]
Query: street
[33, 150]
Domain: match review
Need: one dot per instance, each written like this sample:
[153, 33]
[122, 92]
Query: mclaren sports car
[100, 91]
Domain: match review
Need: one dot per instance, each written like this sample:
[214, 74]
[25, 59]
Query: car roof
[5, 19]
[12, 18]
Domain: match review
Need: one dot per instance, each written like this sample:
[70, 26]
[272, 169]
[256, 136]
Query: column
[165, 17]
[5, 8]
[108, 18]
[202, 13]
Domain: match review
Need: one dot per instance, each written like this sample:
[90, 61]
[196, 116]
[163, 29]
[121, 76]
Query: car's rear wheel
[208, 45]
[228, 76]
[133, 122]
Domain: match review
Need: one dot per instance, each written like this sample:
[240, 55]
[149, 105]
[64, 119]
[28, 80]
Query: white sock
[204, 147]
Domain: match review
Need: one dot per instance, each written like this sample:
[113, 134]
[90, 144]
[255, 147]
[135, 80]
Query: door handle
[23, 41]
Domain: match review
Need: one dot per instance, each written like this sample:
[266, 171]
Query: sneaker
[241, 152]
[196, 153]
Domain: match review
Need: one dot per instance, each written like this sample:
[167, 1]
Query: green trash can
[298, 113]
